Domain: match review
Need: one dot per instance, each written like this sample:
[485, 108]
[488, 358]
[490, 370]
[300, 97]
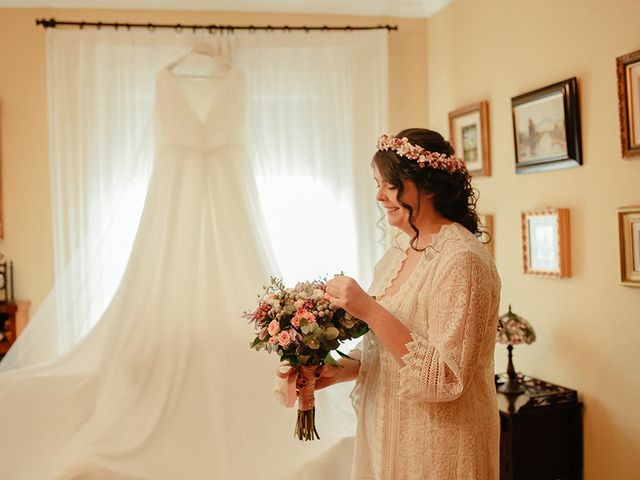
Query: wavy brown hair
[453, 196]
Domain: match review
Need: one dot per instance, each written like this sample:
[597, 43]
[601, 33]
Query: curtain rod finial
[51, 23]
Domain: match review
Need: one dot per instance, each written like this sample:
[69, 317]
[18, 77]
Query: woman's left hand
[344, 292]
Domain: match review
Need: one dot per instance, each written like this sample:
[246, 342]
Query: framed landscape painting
[546, 128]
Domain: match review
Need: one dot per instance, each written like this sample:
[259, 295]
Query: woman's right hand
[347, 369]
[327, 376]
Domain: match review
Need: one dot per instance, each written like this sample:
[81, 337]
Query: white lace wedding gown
[165, 386]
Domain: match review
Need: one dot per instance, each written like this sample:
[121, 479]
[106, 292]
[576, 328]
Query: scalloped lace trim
[393, 268]
[410, 373]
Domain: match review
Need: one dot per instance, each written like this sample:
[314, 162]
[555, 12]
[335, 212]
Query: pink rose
[273, 340]
[300, 314]
[311, 319]
[274, 328]
[284, 339]
[295, 321]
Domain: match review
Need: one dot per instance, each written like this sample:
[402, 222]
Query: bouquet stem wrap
[306, 424]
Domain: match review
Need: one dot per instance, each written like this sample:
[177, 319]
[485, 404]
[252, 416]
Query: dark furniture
[540, 431]
[7, 326]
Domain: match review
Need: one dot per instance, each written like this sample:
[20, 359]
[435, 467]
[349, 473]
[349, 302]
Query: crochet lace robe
[436, 418]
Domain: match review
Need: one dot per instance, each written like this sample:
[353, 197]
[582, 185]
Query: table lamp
[513, 330]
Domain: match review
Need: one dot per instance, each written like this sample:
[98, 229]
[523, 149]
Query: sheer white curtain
[164, 369]
[316, 104]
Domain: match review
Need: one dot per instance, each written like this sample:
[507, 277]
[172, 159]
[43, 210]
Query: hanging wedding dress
[165, 386]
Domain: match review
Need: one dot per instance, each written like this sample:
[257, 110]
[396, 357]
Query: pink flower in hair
[423, 157]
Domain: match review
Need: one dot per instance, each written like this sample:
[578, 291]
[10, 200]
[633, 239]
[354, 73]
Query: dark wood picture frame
[546, 128]
[469, 135]
[628, 72]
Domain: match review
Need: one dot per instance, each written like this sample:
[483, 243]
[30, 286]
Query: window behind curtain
[316, 104]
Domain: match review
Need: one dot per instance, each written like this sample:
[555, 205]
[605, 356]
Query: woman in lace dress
[425, 396]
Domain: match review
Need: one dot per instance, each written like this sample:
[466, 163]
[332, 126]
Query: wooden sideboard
[540, 432]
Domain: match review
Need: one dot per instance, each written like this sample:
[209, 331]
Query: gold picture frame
[546, 247]
[628, 72]
[486, 228]
[629, 234]
[469, 135]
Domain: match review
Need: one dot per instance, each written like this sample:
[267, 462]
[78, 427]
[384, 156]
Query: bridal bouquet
[303, 328]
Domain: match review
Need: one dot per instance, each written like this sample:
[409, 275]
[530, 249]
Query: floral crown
[402, 146]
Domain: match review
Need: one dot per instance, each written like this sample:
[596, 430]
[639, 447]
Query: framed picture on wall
[469, 135]
[486, 227]
[545, 242]
[629, 232]
[546, 128]
[628, 68]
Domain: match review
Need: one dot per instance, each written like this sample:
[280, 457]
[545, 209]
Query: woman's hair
[453, 196]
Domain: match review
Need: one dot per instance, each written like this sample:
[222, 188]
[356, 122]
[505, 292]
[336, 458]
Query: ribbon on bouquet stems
[301, 384]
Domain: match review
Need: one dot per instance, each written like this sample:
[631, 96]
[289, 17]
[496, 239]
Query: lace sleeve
[437, 368]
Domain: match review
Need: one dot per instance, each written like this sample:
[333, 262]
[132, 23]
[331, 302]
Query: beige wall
[588, 326]
[23, 119]
[23, 135]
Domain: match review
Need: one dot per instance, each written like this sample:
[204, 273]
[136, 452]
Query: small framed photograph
[546, 128]
[629, 231]
[546, 243]
[469, 135]
[486, 227]
[628, 68]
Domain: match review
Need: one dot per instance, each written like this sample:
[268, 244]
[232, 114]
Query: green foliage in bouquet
[301, 325]
[303, 328]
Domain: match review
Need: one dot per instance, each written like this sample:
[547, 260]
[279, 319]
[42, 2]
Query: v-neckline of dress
[185, 101]
[436, 240]
[390, 297]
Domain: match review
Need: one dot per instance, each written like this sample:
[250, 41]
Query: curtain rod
[53, 23]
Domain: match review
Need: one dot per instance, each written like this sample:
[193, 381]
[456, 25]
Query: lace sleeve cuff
[422, 377]
[411, 372]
